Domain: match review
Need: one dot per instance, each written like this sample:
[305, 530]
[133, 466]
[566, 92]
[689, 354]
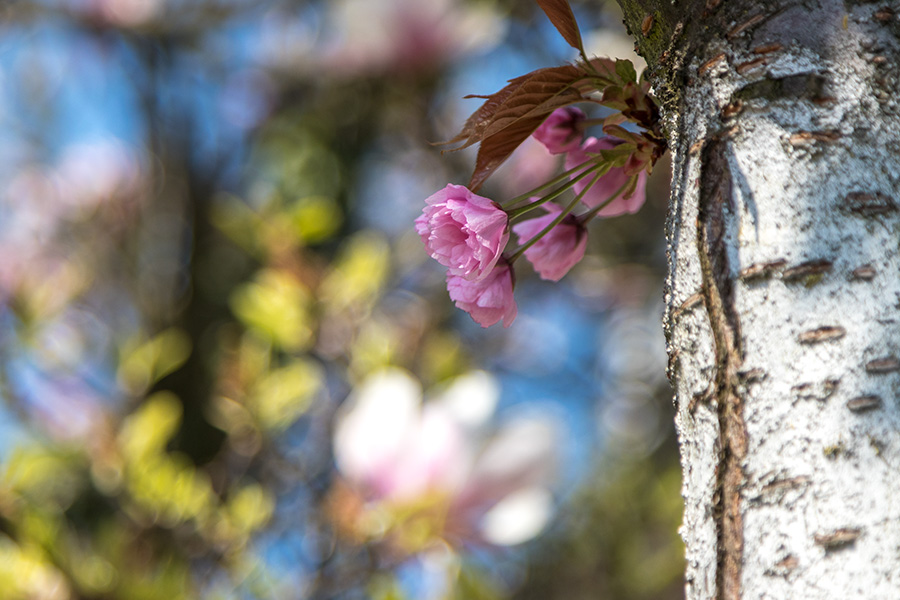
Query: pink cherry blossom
[607, 185]
[559, 250]
[488, 300]
[463, 231]
[560, 132]
[529, 166]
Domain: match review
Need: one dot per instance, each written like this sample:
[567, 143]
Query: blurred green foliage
[619, 539]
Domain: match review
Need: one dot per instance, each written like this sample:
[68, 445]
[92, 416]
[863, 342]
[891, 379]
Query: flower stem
[555, 181]
[583, 219]
[516, 212]
[562, 215]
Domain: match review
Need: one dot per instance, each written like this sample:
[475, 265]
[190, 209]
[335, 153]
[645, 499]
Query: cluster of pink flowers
[468, 233]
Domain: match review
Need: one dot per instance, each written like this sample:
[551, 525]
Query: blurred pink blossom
[560, 132]
[41, 251]
[399, 454]
[370, 36]
[91, 174]
[463, 231]
[489, 300]
[607, 185]
[529, 166]
[120, 13]
[560, 249]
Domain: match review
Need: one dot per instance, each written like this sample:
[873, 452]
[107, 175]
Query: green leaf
[250, 508]
[42, 475]
[146, 431]
[623, 134]
[286, 393]
[619, 155]
[241, 224]
[614, 119]
[359, 272]
[625, 70]
[143, 364]
[315, 218]
[276, 306]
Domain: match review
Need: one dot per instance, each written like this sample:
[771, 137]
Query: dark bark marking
[715, 203]
[692, 301]
[732, 108]
[863, 273]
[821, 334]
[767, 48]
[782, 485]
[752, 375]
[888, 364]
[742, 27]
[751, 64]
[695, 148]
[780, 489]
[820, 391]
[864, 403]
[868, 204]
[837, 539]
[810, 86]
[823, 100]
[788, 563]
[884, 14]
[833, 451]
[762, 270]
[807, 269]
[705, 397]
[710, 63]
[805, 138]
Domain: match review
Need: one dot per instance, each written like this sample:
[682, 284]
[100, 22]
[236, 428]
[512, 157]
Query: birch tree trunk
[783, 298]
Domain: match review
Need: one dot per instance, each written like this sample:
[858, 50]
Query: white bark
[784, 338]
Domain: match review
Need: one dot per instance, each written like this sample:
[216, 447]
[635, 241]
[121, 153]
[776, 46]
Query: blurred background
[228, 368]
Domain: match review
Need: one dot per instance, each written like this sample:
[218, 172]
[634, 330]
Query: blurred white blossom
[439, 462]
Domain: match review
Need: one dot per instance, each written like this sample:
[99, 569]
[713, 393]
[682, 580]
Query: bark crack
[715, 200]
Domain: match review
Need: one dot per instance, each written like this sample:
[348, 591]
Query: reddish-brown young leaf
[497, 148]
[560, 14]
[606, 68]
[539, 92]
[473, 128]
[509, 116]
